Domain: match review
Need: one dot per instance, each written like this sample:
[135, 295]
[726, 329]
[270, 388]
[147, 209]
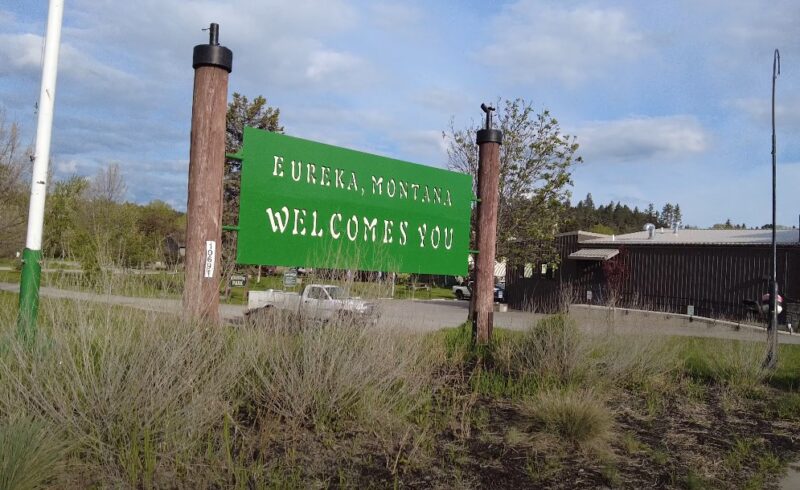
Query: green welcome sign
[310, 204]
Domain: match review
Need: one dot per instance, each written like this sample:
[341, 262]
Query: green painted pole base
[29, 294]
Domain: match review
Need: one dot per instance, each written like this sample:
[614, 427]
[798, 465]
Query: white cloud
[278, 43]
[535, 40]
[67, 168]
[326, 66]
[23, 53]
[424, 146]
[446, 101]
[759, 110]
[20, 52]
[642, 139]
[762, 26]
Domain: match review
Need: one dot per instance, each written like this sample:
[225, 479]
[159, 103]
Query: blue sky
[669, 100]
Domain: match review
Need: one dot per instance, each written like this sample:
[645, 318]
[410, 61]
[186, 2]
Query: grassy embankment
[112, 397]
[170, 284]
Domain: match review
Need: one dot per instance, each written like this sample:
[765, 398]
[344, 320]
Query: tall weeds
[29, 454]
[121, 397]
[577, 416]
[738, 365]
[136, 394]
[334, 375]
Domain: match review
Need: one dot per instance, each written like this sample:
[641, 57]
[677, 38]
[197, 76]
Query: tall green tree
[62, 218]
[109, 232]
[536, 161]
[652, 214]
[242, 112]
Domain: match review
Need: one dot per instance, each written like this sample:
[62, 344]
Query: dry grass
[113, 397]
[552, 351]
[555, 352]
[738, 365]
[326, 375]
[29, 454]
[142, 399]
[632, 359]
[136, 399]
[575, 416]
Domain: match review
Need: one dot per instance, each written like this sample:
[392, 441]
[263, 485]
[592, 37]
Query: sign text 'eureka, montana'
[309, 204]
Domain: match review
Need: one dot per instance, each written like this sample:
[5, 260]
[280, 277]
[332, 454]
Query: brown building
[712, 272]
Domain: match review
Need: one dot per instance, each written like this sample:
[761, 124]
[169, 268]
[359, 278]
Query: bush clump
[29, 454]
[577, 416]
[738, 365]
[552, 351]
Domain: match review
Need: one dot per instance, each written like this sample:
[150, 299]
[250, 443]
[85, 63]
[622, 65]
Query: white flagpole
[31, 270]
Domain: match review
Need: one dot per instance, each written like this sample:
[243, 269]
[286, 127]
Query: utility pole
[772, 331]
[489, 141]
[32, 255]
[212, 64]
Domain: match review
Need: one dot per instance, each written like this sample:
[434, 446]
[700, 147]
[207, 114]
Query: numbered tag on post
[211, 253]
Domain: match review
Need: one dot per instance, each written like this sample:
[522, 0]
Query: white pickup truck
[321, 302]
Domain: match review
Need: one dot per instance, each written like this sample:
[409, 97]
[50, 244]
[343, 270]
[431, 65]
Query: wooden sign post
[489, 141]
[212, 64]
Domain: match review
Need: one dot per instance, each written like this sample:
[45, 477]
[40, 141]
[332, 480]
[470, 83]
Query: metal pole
[489, 141]
[212, 64]
[32, 255]
[772, 330]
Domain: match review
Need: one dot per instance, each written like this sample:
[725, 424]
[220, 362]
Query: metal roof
[583, 235]
[701, 237]
[594, 254]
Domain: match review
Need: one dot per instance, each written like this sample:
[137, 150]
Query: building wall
[714, 279]
[541, 292]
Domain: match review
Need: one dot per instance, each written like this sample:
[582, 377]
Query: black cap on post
[212, 54]
[487, 134]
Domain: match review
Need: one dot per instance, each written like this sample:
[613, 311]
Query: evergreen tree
[241, 112]
[652, 214]
[667, 215]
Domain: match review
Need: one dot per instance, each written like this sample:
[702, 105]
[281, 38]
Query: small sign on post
[290, 278]
[238, 280]
[210, 262]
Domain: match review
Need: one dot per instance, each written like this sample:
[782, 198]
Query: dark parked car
[465, 292]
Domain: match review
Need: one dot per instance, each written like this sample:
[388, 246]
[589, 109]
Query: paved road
[430, 315]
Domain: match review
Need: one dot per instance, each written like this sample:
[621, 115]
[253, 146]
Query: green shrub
[736, 364]
[632, 360]
[334, 375]
[552, 351]
[577, 416]
[137, 395]
[29, 455]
